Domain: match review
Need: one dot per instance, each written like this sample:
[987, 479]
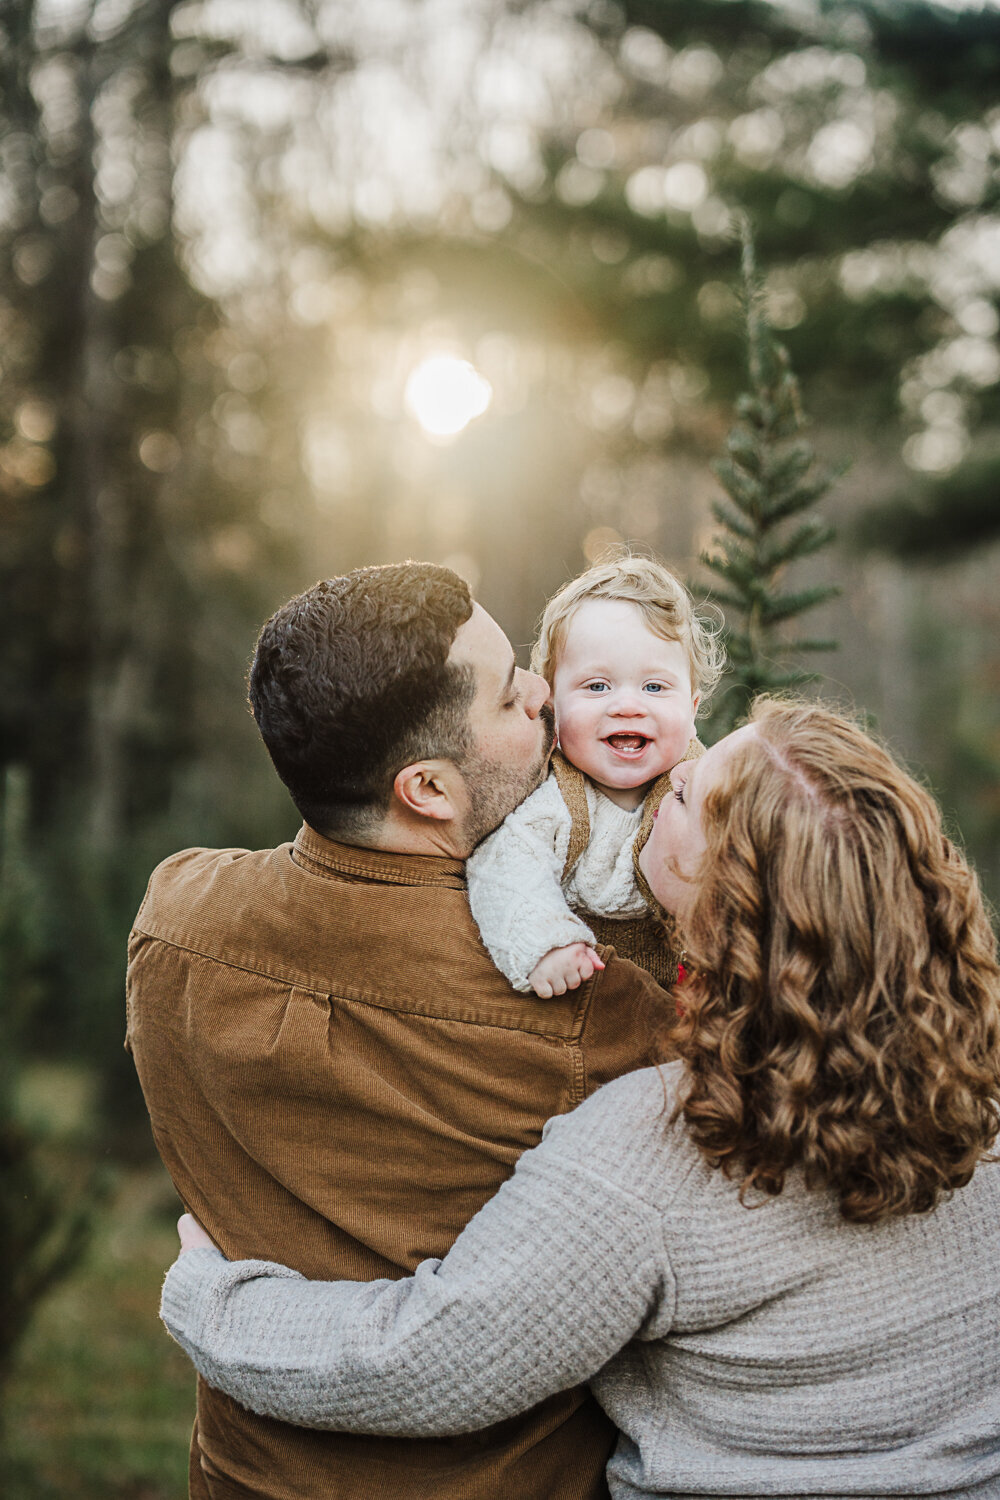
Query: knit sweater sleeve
[546, 1283]
[515, 888]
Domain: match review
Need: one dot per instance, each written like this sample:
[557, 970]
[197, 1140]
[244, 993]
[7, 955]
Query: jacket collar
[325, 856]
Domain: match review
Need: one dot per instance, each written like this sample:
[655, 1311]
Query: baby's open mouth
[628, 744]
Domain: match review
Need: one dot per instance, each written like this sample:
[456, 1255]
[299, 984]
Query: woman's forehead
[709, 767]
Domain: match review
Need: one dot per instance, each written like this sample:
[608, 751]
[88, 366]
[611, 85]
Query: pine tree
[771, 481]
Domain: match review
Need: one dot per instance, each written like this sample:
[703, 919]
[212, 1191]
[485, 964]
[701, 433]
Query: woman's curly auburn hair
[843, 1012]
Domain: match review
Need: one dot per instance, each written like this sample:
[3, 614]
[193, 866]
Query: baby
[628, 660]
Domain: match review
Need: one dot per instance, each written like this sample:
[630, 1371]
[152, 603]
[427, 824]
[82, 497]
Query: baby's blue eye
[596, 687]
[654, 687]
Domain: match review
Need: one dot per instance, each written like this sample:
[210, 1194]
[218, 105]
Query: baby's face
[623, 700]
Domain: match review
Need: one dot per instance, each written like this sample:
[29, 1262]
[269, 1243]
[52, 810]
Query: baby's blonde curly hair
[661, 598]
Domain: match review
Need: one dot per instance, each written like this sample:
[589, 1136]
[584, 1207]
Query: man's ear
[425, 789]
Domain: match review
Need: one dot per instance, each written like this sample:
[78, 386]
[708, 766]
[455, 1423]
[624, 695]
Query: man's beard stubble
[495, 788]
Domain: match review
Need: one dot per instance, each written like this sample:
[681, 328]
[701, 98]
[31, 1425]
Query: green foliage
[771, 480]
[41, 1237]
[41, 1240]
[132, 564]
[936, 521]
[100, 1401]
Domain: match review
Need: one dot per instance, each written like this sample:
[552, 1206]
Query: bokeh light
[445, 394]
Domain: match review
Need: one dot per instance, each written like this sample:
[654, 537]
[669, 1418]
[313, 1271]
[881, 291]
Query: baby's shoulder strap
[573, 789]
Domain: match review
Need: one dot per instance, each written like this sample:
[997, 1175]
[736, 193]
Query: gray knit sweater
[767, 1351]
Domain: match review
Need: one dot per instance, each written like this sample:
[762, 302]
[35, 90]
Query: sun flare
[445, 394]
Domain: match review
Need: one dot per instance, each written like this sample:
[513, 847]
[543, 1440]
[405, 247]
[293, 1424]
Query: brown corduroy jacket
[338, 1078]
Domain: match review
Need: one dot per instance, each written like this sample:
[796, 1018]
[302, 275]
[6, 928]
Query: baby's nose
[628, 703]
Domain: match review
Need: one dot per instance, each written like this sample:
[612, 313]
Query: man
[335, 1072]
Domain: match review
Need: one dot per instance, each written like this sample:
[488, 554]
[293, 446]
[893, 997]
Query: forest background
[290, 286]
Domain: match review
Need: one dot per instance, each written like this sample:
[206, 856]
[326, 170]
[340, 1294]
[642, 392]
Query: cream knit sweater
[516, 890]
[771, 1350]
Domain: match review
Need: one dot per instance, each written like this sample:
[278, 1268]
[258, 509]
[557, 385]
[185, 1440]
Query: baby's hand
[563, 969]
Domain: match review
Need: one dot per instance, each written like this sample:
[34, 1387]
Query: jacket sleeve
[515, 888]
[546, 1284]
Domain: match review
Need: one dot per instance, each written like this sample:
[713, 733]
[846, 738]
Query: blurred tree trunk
[118, 495]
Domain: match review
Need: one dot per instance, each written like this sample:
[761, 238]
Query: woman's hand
[193, 1237]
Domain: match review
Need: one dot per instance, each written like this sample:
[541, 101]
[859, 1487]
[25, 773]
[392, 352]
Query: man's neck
[399, 835]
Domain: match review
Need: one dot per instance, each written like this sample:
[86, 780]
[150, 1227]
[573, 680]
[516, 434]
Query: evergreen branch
[742, 488]
[789, 468]
[739, 649]
[745, 450]
[800, 497]
[779, 681]
[760, 677]
[737, 561]
[810, 537]
[729, 518]
[776, 609]
[741, 573]
[787, 648]
[731, 601]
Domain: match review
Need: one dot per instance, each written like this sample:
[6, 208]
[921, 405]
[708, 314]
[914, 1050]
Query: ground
[101, 1400]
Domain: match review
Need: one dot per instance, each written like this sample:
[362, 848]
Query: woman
[778, 1259]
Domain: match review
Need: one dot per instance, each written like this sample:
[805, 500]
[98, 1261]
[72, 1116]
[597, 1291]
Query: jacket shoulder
[191, 876]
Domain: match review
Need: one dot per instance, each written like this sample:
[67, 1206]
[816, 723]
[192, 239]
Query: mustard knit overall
[651, 940]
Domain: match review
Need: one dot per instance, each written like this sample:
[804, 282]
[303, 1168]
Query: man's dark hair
[350, 682]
